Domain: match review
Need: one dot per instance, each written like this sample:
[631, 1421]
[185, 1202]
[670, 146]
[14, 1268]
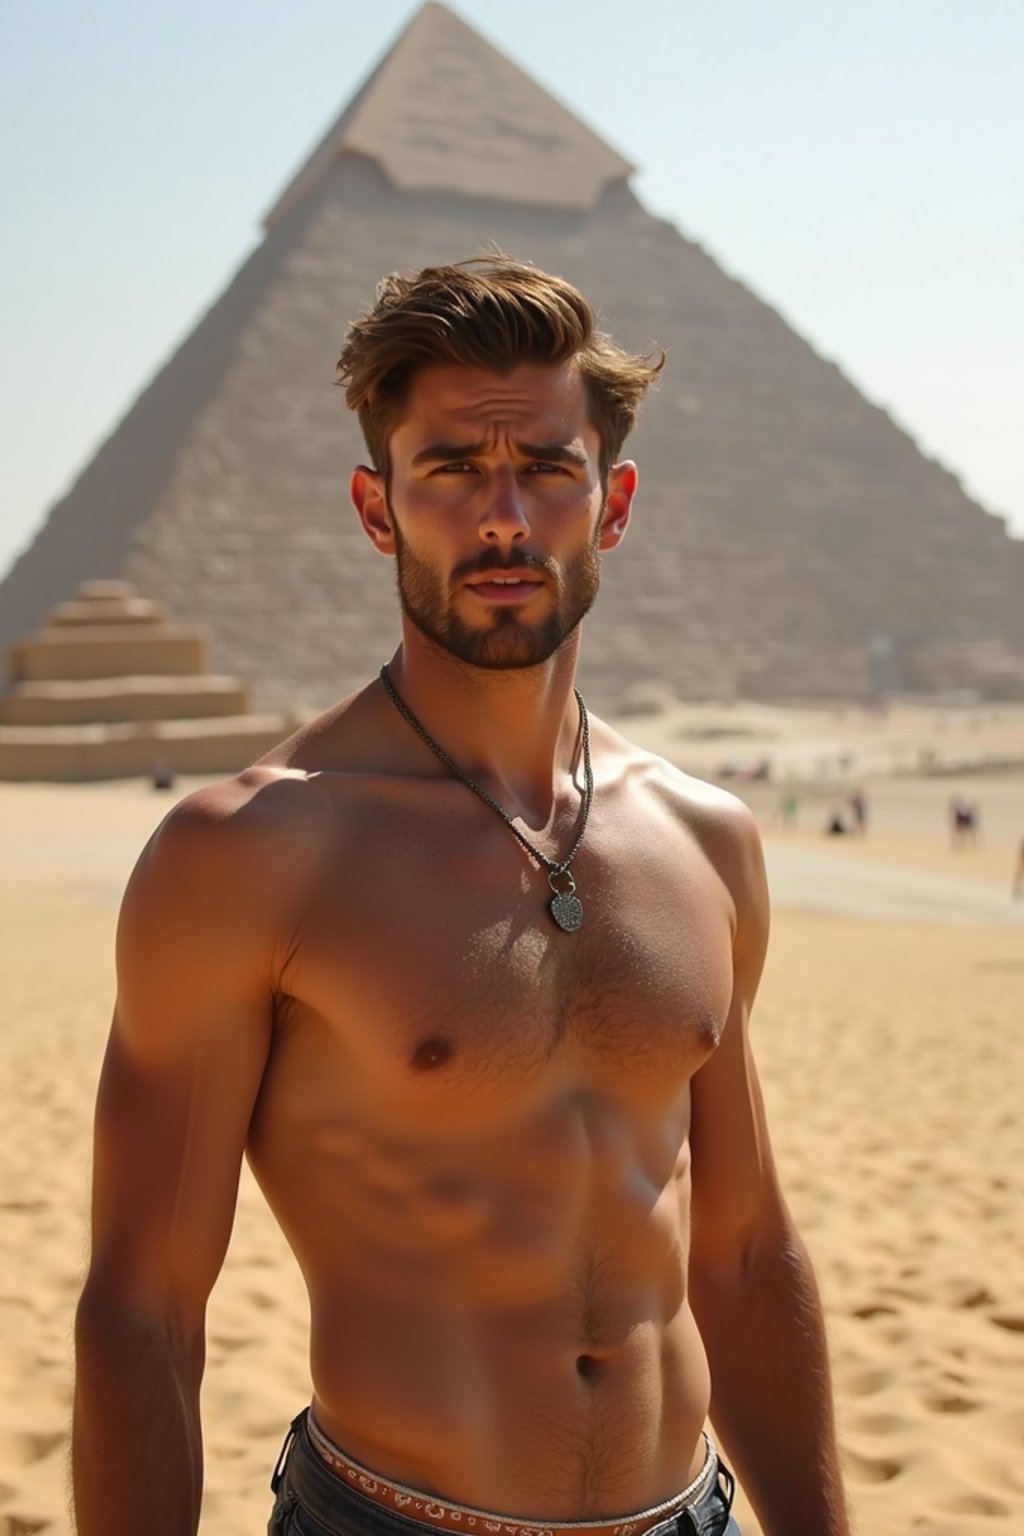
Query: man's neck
[514, 731]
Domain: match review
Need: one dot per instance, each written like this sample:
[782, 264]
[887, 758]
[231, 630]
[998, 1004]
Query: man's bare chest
[430, 960]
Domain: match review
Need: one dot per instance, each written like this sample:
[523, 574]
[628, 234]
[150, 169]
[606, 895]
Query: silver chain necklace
[565, 906]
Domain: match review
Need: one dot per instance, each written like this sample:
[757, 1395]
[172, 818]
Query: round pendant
[567, 910]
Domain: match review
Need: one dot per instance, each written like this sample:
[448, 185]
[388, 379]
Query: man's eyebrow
[546, 453]
[447, 453]
[554, 453]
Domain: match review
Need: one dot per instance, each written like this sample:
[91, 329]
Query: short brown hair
[488, 312]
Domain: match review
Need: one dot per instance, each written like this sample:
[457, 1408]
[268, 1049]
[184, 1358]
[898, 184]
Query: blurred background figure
[964, 820]
[859, 812]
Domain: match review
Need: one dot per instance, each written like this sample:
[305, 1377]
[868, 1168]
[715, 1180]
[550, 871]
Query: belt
[414, 1504]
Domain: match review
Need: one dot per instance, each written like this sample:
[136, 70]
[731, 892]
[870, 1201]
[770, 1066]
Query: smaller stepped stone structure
[110, 688]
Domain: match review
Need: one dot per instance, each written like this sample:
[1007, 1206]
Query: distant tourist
[859, 811]
[163, 775]
[964, 818]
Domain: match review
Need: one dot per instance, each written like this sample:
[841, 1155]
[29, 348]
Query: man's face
[508, 639]
[496, 512]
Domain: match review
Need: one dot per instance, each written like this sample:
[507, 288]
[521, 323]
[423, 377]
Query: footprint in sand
[261, 1300]
[886, 1424]
[949, 1402]
[871, 1469]
[961, 1291]
[892, 1335]
[24, 1447]
[1008, 1320]
[227, 1452]
[229, 1342]
[865, 1382]
[974, 1503]
[17, 1525]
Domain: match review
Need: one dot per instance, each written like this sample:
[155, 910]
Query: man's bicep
[735, 1192]
[183, 1067]
[734, 1185]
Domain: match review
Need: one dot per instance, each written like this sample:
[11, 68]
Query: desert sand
[890, 1035]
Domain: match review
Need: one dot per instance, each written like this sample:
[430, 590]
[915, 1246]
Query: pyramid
[789, 539]
[110, 688]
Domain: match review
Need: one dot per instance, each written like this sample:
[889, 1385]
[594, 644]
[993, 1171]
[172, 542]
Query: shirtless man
[485, 1045]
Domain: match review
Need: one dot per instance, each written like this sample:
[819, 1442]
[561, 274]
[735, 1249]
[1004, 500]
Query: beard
[505, 642]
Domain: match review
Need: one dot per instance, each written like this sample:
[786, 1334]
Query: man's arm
[753, 1291]
[184, 1062]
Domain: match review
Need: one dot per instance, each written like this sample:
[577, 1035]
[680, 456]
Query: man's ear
[622, 483]
[369, 498]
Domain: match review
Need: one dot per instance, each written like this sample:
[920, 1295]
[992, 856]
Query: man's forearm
[771, 1393]
[136, 1441]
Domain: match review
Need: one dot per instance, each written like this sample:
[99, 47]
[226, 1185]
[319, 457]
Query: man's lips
[505, 586]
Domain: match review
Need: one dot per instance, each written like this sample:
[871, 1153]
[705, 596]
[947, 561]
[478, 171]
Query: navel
[430, 1053]
[586, 1366]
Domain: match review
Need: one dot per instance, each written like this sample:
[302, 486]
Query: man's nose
[505, 520]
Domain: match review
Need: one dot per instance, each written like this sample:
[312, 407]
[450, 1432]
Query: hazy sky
[859, 166]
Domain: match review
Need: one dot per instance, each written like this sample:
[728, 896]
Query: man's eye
[545, 467]
[460, 467]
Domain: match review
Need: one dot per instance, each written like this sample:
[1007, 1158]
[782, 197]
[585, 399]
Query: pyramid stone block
[117, 651]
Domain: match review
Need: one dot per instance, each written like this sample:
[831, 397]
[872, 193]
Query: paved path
[824, 882]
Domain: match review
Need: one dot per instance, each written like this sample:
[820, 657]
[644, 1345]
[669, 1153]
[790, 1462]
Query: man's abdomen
[508, 1414]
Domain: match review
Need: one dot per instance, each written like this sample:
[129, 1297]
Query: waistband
[414, 1504]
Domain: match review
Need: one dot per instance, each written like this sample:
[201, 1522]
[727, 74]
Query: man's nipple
[430, 1053]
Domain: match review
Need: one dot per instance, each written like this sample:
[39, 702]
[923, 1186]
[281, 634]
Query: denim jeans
[314, 1501]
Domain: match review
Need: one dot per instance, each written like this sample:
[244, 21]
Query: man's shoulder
[713, 819]
[706, 809]
[239, 839]
[256, 805]
[283, 794]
